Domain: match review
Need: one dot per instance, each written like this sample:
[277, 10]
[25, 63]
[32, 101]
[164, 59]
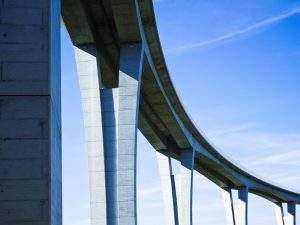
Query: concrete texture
[30, 123]
[228, 206]
[279, 213]
[130, 72]
[140, 94]
[125, 85]
[242, 206]
[185, 187]
[290, 218]
[237, 214]
[163, 120]
[168, 188]
[110, 118]
[86, 58]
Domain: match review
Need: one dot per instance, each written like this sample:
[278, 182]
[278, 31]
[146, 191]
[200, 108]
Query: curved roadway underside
[110, 24]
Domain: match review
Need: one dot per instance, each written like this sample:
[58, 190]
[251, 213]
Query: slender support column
[110, 118]
[184, 186]
[279, 213]
[290, 218]
[168, 188]
[228, 206]
[242, 206]
[90, 96]
[130, 72]
[109, 109]
[30, 113]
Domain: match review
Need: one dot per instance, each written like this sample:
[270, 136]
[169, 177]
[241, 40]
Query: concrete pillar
[30, 120]
[168, 188]
[242, 206]
[109, 109]
[228, 206]
[130, 72]
[110, 118]
[279, 213]
[290, 218]
[86, 57]
[184, 187]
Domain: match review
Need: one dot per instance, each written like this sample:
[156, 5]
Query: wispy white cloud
[146, 192]
[249, 137]
[284, 158]
[265, 153]
[235, 34]
[234, 129]
[208, 205]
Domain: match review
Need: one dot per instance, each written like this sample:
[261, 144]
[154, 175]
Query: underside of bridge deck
[109, 26]
[125, 85]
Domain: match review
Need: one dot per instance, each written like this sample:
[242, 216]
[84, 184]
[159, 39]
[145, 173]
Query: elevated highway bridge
[120, 31]
[125, 85]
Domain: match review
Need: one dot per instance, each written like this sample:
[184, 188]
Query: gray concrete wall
[30, 124]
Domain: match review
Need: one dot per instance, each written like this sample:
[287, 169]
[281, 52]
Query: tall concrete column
[109, 109]
[168, 188]
[130, 72]
[30, 120]
[279, 213]
[242, 206]
[228, 206]
[184, 187]
[110, 118]
[86, 57]
[290, 218]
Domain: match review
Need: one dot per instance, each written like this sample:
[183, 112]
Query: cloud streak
[262, 152]
[291, 158]
[255, 27]
[149, 191]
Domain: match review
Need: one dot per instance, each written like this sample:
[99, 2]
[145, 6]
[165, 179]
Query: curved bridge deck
[125, 85]
[107, 28]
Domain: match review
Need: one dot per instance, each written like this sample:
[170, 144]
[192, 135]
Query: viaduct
[125, 85]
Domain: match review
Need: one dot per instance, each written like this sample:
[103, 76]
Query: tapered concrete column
[228, 206]
[168, 188]
[86, 57]
[290, 218]
[242, 207]
[184, 187]
[109, 109]
[110, 118]
[30, 118]
[279, 213]
[130, 72]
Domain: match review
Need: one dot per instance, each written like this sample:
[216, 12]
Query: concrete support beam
[110, 118]
[279, 213]
[30, 120]
[168, 188]
[130, 72]
[290, 218]
[184, 187]
[228, 206]
[242, 206]
[87, 69]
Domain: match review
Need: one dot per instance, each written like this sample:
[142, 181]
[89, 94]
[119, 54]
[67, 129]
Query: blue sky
[235, 65]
